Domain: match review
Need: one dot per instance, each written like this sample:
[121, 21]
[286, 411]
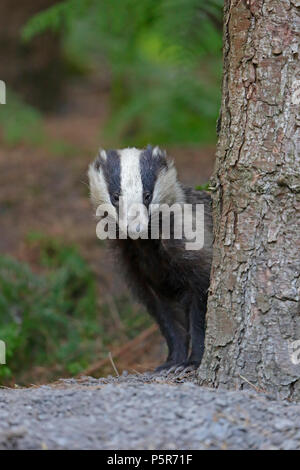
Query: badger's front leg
[197, 322]
[174, 331]
[197, 312]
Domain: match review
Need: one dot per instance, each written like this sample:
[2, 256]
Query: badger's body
[171, 281]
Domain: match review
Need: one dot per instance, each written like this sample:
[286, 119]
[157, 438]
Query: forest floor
[144, 411]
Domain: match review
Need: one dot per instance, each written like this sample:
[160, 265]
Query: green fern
[163, 57]
[55, 18]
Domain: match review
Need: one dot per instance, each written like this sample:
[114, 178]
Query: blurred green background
[80, 73]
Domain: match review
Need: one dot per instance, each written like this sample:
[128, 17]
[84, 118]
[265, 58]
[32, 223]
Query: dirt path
[144, 412]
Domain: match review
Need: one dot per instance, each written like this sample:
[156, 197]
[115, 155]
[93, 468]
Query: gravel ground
[144, 412]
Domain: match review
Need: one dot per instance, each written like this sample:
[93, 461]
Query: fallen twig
[252, 385]
[113, 364]
[122, 350]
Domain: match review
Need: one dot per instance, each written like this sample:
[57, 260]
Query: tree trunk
[253, 318]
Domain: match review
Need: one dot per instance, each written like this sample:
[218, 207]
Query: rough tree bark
[253, 318]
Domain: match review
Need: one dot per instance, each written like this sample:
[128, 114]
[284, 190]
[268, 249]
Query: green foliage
[20, 122]
[203, 187]
[163, 59]
[55, 18]
[48, 318]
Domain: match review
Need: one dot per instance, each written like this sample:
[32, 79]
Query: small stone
[290, 444]
[282, 424]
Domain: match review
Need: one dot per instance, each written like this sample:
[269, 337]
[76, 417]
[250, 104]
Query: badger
[171, 281]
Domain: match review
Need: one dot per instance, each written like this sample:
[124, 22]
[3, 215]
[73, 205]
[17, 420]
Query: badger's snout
[137, 220]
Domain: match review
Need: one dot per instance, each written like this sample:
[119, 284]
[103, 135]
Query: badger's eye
[115, 198]
[147, 196]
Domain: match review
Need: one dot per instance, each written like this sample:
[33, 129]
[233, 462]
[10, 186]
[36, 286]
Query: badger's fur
[169, 280]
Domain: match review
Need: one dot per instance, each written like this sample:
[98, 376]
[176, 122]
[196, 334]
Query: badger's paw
[164, 368]
[185, 368]
[168, 367]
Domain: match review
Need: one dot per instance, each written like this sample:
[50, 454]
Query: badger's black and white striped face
[137, 176]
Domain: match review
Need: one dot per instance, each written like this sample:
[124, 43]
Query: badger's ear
[100, 159]
[162, 156]
[157, 152]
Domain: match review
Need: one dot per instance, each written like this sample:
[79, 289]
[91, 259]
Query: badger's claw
[184, 368]
[187, 370]
[164, 368]
[172, 369]
[179, 369]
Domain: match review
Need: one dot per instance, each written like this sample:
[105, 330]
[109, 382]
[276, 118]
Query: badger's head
[136, 177]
